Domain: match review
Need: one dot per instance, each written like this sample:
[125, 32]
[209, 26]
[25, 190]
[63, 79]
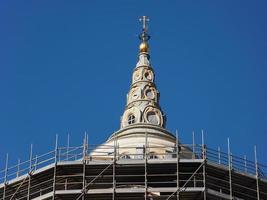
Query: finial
[144, 20]
[144, 37]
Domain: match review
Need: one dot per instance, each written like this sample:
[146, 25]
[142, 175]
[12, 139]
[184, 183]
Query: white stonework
[142, 131]
[133, 141]
[143, 97]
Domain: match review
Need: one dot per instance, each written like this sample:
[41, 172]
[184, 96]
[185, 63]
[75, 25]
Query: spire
[143, 98]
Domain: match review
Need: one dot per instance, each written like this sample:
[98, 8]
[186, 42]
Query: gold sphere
[143, 47]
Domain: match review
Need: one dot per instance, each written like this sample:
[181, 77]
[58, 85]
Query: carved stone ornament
[134, 94]
[137, 75]
[153, 116]
[148, 75]
[143, 73]
[131, 116]
[150, 93]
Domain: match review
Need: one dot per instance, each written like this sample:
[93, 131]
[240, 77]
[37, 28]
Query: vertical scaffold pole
[204, 157]
[55, 167]
[87, 145]
[18, 168]
[68, 147]
[84, 165]
[146, 166]
[230, 168]
[257, 173]
[245, 163]
[35, 162]
[114, 168]
[219, 155]
[193, 144]
[5, 178]
[194, 154]
[30, 173]
[177, 165]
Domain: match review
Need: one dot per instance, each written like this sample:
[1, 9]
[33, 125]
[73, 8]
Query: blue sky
[65, 67]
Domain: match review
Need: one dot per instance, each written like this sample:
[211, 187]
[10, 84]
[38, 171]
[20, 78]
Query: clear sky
[65, 67]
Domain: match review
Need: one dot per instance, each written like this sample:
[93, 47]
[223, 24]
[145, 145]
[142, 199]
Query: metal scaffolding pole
[177, 165]
[245, 163]
[219, 155]
[87, 143]
[84, 164]
[96, 177]
[68, 147]
[194, 154]
[146, 166]
[204, 157]
[230, 168]
[27, 177]
[19, 187]
[5, 178]
[35, 162]
[114, 168]
[193, 145]
[55, 168]
[257, 173]
[187, 181]
[18, 168]
[30, 171]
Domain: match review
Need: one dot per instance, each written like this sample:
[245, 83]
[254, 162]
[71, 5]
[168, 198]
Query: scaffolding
[74, 172]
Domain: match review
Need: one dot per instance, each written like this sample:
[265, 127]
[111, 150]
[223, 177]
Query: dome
[138, 141]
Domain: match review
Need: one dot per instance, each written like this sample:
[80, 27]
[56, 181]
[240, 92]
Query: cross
[144, 20]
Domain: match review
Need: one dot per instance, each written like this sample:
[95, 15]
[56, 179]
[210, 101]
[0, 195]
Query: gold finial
[143, 47]
[144, 37]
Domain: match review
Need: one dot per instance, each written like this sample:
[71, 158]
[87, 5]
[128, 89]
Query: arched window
[131, 119]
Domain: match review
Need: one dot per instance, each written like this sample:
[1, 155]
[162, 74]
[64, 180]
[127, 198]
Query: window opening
[131, 119]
